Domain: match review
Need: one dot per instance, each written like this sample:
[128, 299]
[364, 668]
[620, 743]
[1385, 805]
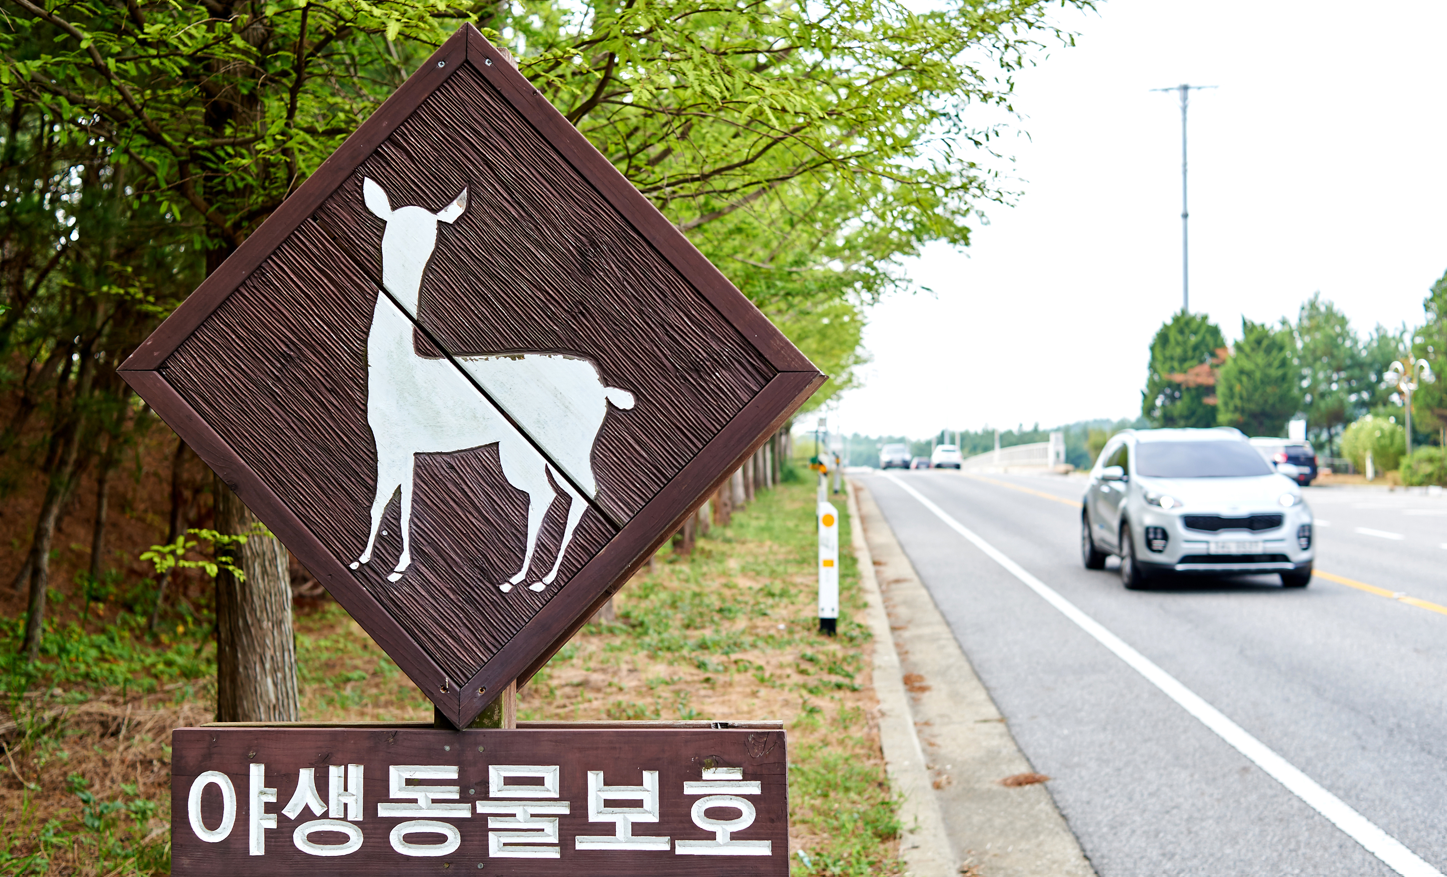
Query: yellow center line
[1040, 493]
[1331, 577]
[1382, 592]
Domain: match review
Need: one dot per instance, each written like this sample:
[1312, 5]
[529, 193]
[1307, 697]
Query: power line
[1185, 93]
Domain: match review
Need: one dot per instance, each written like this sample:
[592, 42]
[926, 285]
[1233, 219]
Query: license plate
[1235, 548]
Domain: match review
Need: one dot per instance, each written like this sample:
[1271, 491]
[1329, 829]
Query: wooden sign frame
[794, 380]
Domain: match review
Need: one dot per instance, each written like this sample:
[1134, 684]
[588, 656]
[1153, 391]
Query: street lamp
[1406, 374]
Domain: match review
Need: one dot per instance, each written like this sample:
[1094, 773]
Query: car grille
[1233, 559]
[1217, 523]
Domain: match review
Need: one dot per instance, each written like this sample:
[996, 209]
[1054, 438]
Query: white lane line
[1380, 534]
[1424, 511]
[1357, 827]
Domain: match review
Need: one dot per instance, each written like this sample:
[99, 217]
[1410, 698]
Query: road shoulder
[946, 744]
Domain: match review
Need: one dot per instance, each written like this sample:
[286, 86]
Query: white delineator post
[828, 567]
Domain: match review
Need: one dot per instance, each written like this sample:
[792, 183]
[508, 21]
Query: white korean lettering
[302, 837]
[348, 792]
[228, 806]
[499, 775]
[523, 829]
[305, 795]
[426, 797]
[624, 817]
[721, 787]
[534, 828]
[257, 800]
[452, 838]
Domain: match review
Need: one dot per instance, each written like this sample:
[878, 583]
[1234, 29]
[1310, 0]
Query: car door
[1112, 498]
[1098, 502]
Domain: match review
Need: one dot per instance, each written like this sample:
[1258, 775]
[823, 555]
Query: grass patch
[727, 634]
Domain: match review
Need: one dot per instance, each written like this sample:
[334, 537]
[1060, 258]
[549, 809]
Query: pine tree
[1180, 385]
[1332, 367]
[1259, 386]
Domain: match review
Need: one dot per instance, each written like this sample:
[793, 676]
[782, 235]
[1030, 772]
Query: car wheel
[1132, 574]
[1093, 557]
[1297, 578]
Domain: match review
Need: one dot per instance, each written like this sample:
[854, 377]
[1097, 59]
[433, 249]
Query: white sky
[1319, 163]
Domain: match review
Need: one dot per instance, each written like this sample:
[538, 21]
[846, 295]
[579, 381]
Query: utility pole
[1185, 92]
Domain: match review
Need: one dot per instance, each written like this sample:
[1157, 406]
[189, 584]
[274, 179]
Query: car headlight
[1163, 500]
[1288, 500]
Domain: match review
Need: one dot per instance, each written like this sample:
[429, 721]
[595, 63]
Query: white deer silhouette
[425, 405]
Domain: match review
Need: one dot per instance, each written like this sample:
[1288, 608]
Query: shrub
[1382, 436]
[1426, 466]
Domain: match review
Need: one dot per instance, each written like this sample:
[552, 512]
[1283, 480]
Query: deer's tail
[621, 399]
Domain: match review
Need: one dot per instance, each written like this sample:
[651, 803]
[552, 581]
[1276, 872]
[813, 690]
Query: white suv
[1193, 500]
[945, 457]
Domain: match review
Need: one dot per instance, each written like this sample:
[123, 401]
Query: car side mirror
[1113, 473]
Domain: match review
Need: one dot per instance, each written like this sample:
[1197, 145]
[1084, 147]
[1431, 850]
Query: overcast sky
[1319, 163]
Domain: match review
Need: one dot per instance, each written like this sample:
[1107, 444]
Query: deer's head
[408, 242]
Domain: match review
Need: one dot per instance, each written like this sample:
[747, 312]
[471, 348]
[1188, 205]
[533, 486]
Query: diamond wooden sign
[470, 376]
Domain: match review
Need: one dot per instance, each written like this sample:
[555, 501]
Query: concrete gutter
[946, 745]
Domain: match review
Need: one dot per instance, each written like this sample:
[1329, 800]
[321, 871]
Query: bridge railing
[1036, 455]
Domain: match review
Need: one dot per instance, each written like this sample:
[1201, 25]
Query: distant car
[945, 457]
[919, 463]
[1197, 501]
[894, 457]
[1294, 459]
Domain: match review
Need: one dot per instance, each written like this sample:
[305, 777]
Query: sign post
[472, 379]
[828, 566]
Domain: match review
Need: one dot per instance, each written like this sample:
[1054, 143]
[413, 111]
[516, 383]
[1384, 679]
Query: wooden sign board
[470, 376]
[540, 800]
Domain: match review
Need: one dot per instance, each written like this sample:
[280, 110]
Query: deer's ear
[376, 200]
[453, 210]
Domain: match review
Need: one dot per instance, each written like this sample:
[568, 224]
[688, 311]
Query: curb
[956, 737]
[924, 845]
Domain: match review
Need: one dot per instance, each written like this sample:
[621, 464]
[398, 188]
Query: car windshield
[1199, 460]
[895, 449]
[948, 449]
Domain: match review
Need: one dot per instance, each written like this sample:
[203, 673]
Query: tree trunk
[683, 540]
[705, 517]
[98, 531]
[56, 493]
[255, 649]
[723, 504]
[776, 447]
[738, 494]
[176, 527]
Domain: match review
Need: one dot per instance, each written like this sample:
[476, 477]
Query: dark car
[894, 457]
[1294, 459]
[919, 463]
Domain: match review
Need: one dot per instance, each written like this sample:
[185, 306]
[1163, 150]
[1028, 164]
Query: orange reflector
[828, 562]
[828, 520]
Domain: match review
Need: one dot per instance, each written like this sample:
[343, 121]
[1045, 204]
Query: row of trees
[807, 149]
[1317, 366]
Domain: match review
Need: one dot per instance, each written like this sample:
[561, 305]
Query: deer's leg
[388, 479]
[525, 469]
[405, 559]
[576, 507]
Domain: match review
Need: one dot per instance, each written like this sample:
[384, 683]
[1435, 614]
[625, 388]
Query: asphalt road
[1346, 679]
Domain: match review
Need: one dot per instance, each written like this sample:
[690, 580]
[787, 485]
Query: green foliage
[1427, 465]
[1429, 402]
[1258, 388]
[1180, 382]
[1333, 369]
[120, 655]
[172, 556]
[1383, 437]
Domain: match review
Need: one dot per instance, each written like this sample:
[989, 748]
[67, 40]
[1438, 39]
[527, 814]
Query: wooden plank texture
[622, 754]
[540, 262]
[279, 370]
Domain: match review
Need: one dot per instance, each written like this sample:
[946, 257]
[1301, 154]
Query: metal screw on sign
[828, 568]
